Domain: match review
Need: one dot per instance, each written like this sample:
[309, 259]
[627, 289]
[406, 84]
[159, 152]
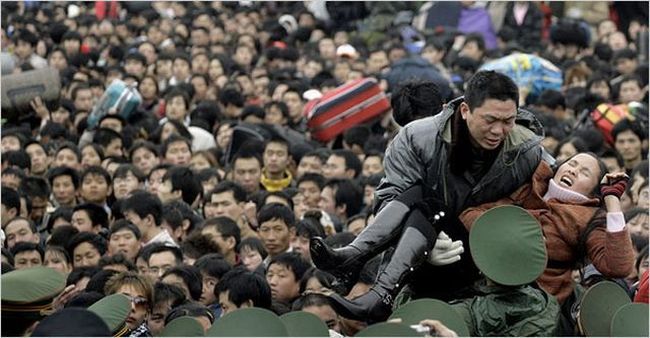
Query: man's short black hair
[137, 56]
[104, 136]
[32, 225]
[175, 92]
[611, 153]
[96, 213]
[144, 203]
[357, 135]
[243, 285]
[197, 245]
[157, 248]
[27, 246]
[183, 179]
[10, 199]
[97, 171]
[278, 211]
[347, 193]
[552, 99]
[351, 160]
[81, 272]
[625, 53]
[124, 169]
[477, 38]
[191, 276]
[488, 84]
[189, 309]
[226, 226]
[125, 224]
[312, 177]
[61, 236]
[18, 158]
[163, 293]
[294, 262]
[143, 144]
[95, 240]
[117, 259]
[625, 125]
[238, 191]
[64, 171]
[173, 139]
[213, 265]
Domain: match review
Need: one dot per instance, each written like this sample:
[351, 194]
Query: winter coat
[564, 224]
[415, 67]
[523, 311]
[529, 33]
[421, 151]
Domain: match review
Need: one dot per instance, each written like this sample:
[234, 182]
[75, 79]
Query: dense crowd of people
[212, 195]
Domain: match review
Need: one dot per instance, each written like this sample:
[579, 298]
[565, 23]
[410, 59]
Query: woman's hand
[614, 185]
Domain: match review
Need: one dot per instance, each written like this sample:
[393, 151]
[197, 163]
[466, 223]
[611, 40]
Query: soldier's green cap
[114, 310]
[413, 312]
[631, 320]
[387, 330]
[599, 304]
[248, 322]
[304, 324]
[183, 327]
[507, 245]
[30, 290]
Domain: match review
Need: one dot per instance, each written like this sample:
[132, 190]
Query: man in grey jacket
[478, 149]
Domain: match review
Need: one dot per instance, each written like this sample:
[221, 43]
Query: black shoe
[371, 307]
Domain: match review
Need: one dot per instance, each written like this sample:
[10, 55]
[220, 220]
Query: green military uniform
[72, 322]
[631, 320]
[114, 310]
[388, 330]
[508, 247]
[248, 322]
[414, 312]
[304, 324]
[27, 297]
[183, 327]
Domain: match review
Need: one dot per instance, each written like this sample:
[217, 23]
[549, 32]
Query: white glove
[445, 251]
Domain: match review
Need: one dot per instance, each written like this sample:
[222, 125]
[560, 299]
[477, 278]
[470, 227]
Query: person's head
[135, 64]
[569, 147]
[240, 288]
[166, 297]
[126, 179]
[162, 258]
[631, 89]
[612, 160]
[197, 245]
[318, 305]
[637, 221]
[490, 108]
[64, 182]
[276, 228]
[12, 177]
[110, 141]
[312, 162]
[276, 156]
[600, 86]
[226, 199]
[138, 289]
[179, 183]
[251, 253]
[181, 66]
[177, 150]
[293, 99]
[27, 255]
[177, 105]
[95, 185]
[40, 161]
[247, 170]
[284, 274]
[474, 47]
[10, 200]
[342, 163]
[202, 314]
[581, 173]
[373, 164]
[625, 61]
[124, 238]
[628, 138]
[276, 112]
[212, 267]
[144, 155]
[82, 97]
[117, 263]
[58, 259]
[67, 155]
[223, 231]
[145, 211]
[20, 229]
[26, 42]
[91, 154]
[310, 186]
[86, 249]
[186, 277]
[342, 198]
[203, 159]
[305, 230]
[89, 217]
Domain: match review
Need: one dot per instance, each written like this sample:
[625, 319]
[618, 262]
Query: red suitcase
[344, 107]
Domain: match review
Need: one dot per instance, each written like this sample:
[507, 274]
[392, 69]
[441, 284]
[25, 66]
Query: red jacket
[642, 292]
[563, 225]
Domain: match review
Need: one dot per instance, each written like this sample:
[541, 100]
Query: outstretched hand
[445, 251]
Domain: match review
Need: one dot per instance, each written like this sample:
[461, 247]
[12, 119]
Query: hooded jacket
[421, 151]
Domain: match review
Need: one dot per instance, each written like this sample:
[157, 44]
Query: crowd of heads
[162, 207]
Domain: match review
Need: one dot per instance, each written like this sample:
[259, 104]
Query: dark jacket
[421, 152]
[416, 68]
[529, 33]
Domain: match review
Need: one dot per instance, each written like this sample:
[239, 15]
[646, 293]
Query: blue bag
[124, 99]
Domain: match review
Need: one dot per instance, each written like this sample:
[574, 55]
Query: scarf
[563, 194]
[272, 185]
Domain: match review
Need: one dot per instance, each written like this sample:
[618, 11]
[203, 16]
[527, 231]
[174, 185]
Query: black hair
[283, 194]
[124, 169]
[97, 171]
[490, 85]
[10, 258]
[310, 299]
[32, 225]
[59, 249]
[284, 109]
[71, 146]
[173, 139]
[61, 236]
[609, 153]
[309, 227]
[172, 217]
[178, 125]
[183, 179]
[163, 292]
[84, 299]
[625, 53]
[96, 213]
[80, 272]
[625, 125]
[577, 143]
[357, 135]
[64, 171]
[351, 160]
[552, 99]
[278, 211]
[226, 226]
[191, 309]
[122, 224]
[143, 204]
[18, 158]
[294, 262]
[27, 246]
[197, 245]
[95, 240]
[10, 199]
[253, 243]
[213, 265]
[157, 248]
[60, 212]
[143, 144]
[312, 177]
[97, 283]
[326, 279]
[238, 191]
[191, 276]
[477, 38]
[104, 136]
[243, 285]
[117, 259]
[347, 193]
[252, 110]
[230, 95]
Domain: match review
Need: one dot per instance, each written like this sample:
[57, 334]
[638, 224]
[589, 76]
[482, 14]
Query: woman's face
[644, 199]
[643, 267]
[579, 174]
[58, 61]
[148, 88]
[199, 162]
[57, 261]
[176, 109]
[600, 88]
[566, 151]
[215, 70]
[89, 157]
[224, 135]
[167, 131]
[251, 258]
[638, 225]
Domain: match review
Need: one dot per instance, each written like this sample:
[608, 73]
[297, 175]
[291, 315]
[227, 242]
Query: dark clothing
[415, 67]
[529, 33]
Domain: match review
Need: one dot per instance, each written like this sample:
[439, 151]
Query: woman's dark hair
[601, 165]
[577, 143]
[60, 212]
[415, 100]
[180, 128]
[253, 243]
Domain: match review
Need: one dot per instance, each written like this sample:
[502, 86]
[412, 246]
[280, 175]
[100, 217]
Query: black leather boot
[412, 249]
